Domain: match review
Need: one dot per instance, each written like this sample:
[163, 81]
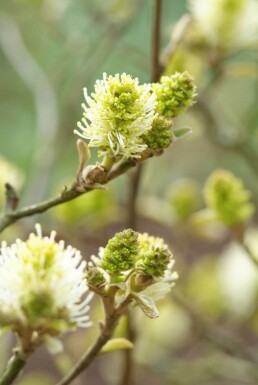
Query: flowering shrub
[46, 287]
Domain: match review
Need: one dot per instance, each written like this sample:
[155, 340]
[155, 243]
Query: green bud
[95, 277]
[174, 94]
[120, 253]
[184, 196]
[160, 135]
[226, 196]
[154, 257]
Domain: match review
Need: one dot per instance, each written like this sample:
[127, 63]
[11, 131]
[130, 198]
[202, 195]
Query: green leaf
[147, 305]
[116, 344]
[181, 133]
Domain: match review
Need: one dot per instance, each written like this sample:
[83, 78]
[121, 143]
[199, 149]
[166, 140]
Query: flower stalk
[112, 316]
[13, 369]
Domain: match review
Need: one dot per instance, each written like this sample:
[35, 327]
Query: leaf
[147, 305]
[116, 344]
[54, 345]
[181, 133]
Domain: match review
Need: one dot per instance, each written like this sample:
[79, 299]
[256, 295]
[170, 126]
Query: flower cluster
[174, 94]
[123, 118]
[160, 135]
[42, 288]
[117, 115]
[226, 23]
[133, 261]
[226, 196]
[120, 253]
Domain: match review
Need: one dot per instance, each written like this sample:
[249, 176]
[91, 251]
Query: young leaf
[147, 305]
[116, 344]
[181, 133]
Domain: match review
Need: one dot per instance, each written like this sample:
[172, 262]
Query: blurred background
[49, 51]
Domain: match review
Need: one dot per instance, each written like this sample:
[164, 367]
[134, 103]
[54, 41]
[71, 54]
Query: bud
[95, 277]
[154, 257]
[160, 135]
[174, 94]
[226, 196]
[120, 253]
[185, 197]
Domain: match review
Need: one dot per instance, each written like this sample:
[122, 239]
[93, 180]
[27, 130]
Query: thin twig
[113, 315]
[127, 372]
[156, 68]
[76, 190]
[14, 367]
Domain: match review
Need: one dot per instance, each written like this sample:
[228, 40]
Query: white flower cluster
[227, 22]
[42, 286]
[117, 115]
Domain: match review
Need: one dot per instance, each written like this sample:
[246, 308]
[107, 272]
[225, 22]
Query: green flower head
[174, 94]
[95, 276]
[117, 114]
[120, 253]
[154, 258]
[160, 135]
[185, 197]
[226, 196]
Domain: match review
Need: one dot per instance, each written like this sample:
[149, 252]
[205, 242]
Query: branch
[135, 180]
[77, 189]
[14, 367]
[112, 317]
[156, 68]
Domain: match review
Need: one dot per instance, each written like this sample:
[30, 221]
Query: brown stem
[8, 217]
[135, 178]
[112, 315]
[127, 373]
[91, 353]
[156, 68]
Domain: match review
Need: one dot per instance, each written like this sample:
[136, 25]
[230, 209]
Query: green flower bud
[120, 253]
[95, 277]
[185, 197]
[226, 196]
[160, 135]
[174, 94]
[155, 257]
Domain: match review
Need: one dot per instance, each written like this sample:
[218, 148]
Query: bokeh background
[49, 51]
